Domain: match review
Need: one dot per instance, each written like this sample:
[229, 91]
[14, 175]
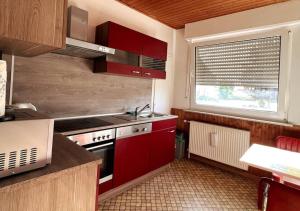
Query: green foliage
[226, 92]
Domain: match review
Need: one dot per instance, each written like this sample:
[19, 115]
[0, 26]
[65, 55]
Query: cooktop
[79, 124]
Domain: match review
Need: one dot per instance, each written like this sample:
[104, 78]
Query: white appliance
[25, 142]
[3, 78]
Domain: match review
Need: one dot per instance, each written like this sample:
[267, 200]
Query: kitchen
[113, 80]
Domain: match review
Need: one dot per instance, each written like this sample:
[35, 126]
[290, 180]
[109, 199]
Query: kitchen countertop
[66, 155]
[117, 122]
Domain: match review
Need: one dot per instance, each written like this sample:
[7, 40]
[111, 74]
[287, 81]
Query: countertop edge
[49, 176]
[118, 125]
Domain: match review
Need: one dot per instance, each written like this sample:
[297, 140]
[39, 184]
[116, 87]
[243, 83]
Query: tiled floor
[188, 185]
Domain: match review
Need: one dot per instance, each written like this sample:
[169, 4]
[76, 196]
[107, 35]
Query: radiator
[223, 144]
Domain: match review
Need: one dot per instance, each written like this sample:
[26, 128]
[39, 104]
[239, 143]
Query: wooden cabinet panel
[162, 148]
[131, 158]
[154, 48]
[72, 189]
[32, 27]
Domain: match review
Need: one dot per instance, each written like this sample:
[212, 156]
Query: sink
[132, 117]
[151, 115]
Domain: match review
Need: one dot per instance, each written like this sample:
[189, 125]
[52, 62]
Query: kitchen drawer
[116, 68]
[150, 73]
[164, 124]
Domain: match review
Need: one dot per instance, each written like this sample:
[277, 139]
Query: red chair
[290, 144]
[285, 143]
[276, 196]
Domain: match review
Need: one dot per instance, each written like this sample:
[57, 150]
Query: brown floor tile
[191, 186]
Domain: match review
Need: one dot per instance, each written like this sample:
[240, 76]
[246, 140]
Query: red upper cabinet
[131, 46]
[116, 36]
[154, 48]
[151, 73]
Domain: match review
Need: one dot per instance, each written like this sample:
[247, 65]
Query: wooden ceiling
[176, 13]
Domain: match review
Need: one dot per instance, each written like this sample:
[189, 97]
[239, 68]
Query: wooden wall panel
[65, 86]
[261, 133]
[178, 13]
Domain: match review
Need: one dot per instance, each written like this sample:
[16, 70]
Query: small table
[282, 162]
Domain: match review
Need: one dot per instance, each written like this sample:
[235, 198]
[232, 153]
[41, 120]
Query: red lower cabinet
[106, 186]
[136, 156]
[131, 158]
[162, 147]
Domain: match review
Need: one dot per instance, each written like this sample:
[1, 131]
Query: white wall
[101, 11]
[294, 81]
[181, 90]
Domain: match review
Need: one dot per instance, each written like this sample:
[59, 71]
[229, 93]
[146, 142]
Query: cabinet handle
[172, 131]
[136, 72]
[148, 74]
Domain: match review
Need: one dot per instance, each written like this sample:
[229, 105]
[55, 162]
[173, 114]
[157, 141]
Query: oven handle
[99, 146]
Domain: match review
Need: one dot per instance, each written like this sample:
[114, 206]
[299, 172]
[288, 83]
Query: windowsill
[243, 118]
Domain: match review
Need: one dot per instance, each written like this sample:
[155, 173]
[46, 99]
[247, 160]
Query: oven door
[105, 151]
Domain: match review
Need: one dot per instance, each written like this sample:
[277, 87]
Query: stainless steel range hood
[82, 49]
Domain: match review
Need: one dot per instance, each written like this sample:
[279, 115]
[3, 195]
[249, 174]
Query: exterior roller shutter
[251, 63]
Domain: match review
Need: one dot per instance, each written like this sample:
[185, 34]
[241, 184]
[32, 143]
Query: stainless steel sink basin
[152, 115]
[132, 117]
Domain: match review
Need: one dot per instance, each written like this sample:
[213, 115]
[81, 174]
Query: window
[242, 76]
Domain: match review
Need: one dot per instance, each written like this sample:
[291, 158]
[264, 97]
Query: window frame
[285, 55]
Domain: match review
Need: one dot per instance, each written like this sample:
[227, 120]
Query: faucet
[137, 111]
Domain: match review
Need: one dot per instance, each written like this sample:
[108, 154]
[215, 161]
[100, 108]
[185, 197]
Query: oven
[102, 144]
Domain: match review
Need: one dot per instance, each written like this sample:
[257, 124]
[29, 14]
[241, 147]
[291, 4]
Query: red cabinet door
[119, 37]
[162, 147]
[154, 48]
[164, 124]
[132, 156]
[124, 38]
[103, 66]
[123, 69]
[116, 36]
[151, 73]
